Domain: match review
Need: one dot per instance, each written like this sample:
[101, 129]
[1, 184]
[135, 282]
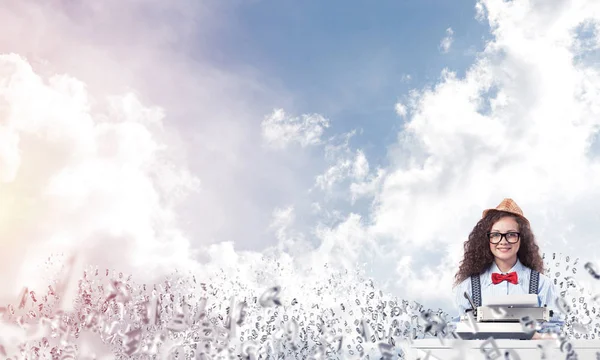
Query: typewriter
[502, 317]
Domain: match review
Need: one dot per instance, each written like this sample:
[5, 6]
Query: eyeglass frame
[503, 236]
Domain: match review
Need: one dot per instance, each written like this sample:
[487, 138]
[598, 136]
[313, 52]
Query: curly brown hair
[478, 256]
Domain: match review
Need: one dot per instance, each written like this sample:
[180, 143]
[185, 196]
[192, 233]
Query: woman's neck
[505, 265]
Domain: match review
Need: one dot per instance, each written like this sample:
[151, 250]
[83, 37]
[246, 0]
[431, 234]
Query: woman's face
[504, 250]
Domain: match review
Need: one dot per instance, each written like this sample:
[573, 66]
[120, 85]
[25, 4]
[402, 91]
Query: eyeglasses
[512, 237]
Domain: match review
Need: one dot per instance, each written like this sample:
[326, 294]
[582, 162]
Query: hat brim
[485, 212]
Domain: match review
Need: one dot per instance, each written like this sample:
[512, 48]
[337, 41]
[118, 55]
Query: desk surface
[503, 343]
[549, 349]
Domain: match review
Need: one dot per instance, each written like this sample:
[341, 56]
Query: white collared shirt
[547, 294]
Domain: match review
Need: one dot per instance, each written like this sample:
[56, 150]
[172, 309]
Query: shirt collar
[486, 279]
[516, 267]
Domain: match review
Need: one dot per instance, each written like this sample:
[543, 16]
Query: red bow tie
[510, 277]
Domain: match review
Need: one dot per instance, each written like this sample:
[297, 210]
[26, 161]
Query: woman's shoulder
[463, 282]
[529, 270]
[545, 278]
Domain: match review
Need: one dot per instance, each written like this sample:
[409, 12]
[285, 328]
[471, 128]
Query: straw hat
[508, 205]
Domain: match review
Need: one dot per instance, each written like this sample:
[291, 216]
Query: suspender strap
[534, 280]
[476, 290]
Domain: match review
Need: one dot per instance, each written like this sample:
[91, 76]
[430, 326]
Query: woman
[502, 251]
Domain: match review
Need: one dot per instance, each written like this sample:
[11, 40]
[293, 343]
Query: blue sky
[167, 147]
[348, 60]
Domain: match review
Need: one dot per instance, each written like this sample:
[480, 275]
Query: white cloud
[586, 36]
[345, 245]
[348, 176]
[280, 130]
[102, 176]
[153, 49]
[367, 188]
[519, 124]
[290, 241]
[80, 171]
[480, 14]
[400, 110]
[89, 171]
[447, 41]
[80, 182]
[348, 166]
[9, 154]
[360, 167]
